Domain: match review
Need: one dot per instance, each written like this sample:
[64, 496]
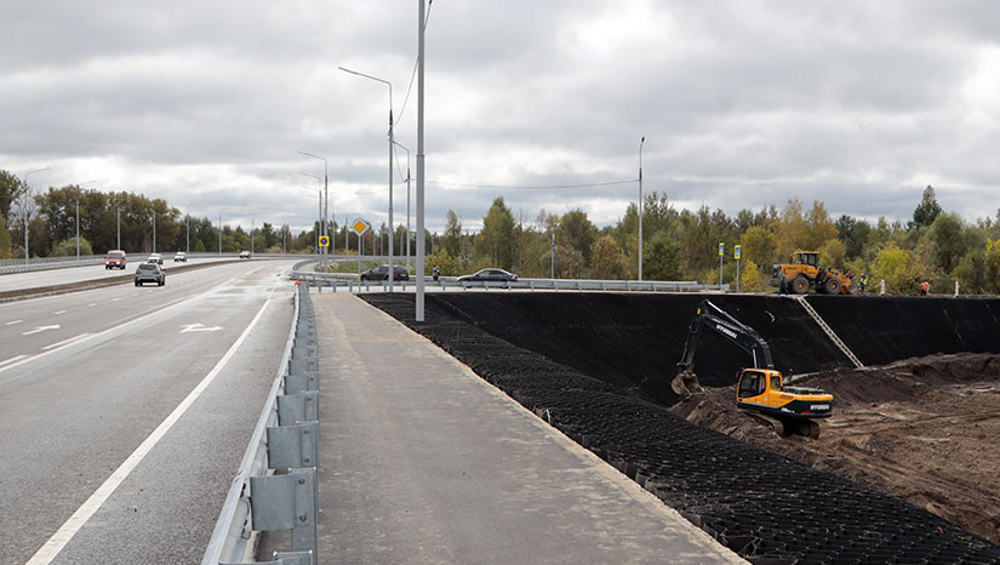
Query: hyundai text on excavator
[793, 410]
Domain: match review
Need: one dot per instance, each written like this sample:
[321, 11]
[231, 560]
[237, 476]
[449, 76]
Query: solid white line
[59, 312]
[58, 541]
[91, 305]
[64, 342]
[12, 359]
[121, 325]
[12, 322]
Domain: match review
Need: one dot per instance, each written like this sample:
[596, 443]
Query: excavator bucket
[686, 383]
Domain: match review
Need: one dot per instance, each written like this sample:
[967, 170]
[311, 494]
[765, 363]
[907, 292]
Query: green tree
[577, 231]
[899, 268]
[665, 258]
[759, 245]
[4, 239]
[833, 254]
[854, 234]
[10, 189]
[452, 238]
[928, 209]
[948, 242]
[494, 243]
[607, 260]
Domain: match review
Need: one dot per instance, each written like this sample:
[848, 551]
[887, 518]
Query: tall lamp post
[641, 141]
[391, 227]
[326, 199]
[27, 216]
[400, 145]
[421, 25]
[319, 220]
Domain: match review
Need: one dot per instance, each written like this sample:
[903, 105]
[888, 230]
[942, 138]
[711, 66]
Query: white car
[155, 258]
[244, 254]
[180, 257]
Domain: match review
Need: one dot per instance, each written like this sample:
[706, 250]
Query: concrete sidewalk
[421, 461]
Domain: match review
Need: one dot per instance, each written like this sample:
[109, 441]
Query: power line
[531, 187]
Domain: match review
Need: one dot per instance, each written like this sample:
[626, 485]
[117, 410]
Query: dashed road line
[65, 342]
[12, 322]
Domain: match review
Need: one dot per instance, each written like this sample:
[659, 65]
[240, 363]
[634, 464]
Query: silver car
[150, 272]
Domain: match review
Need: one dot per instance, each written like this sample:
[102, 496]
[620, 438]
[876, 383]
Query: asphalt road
[89, 382]
[50, 277]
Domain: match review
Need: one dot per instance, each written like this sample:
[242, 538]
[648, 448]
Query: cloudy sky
[743, 104]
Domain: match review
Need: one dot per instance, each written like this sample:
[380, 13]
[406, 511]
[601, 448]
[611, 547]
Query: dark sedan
[489, 275]
[381, 273]
[150, 272]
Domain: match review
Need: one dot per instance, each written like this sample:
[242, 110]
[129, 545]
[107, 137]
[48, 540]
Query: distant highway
[124, 411]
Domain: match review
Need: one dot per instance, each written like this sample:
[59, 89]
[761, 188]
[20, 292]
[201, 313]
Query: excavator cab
[795, 408]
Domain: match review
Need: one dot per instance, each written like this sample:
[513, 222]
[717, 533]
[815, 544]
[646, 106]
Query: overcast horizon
[742, 104]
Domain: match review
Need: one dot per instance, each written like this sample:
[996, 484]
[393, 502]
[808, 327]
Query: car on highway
[381, 273]
[115, 259]
[489, 275]
[150, 272]
[180, 257]
[155, 258]
[244, 254]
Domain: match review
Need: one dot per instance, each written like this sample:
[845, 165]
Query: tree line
[935, 246]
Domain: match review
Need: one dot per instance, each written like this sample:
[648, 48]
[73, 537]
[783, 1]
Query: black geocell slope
[765, 507]
[635, 340]
[883, 329]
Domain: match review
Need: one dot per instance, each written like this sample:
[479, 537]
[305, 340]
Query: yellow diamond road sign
[324, 241]
[360, 226]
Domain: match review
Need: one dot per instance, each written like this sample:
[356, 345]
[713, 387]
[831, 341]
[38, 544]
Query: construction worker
[925, 288]
[435, 272]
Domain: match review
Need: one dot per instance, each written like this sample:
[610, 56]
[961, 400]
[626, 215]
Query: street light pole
[319, 220]
[27, 215]
[251, 235]
[326, 198]
[643, 140]
[389, 84]
[419, 310]
[407, 203]
[119, 216]
[154, 230]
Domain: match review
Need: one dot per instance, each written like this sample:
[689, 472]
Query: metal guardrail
[351, 283]
[9, 266]
[285, 439]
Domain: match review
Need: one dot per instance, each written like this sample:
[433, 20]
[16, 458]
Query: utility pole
[419, 314]
[154, 230]
[553, 255]
[220, 234]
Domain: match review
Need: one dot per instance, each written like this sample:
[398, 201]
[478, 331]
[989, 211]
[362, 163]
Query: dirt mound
[922, 429]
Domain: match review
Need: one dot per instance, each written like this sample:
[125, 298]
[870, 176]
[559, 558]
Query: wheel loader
[804, 273]
[760, 389]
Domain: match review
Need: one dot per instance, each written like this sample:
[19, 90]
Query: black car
[489, 275]
[150, 272]
[381, 273]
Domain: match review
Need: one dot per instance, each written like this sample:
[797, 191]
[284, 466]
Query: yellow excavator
[791, 410]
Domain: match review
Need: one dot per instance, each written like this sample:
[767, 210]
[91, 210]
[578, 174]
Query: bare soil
[924, 429]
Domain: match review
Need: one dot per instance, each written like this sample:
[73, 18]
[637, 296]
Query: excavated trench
[598, 365]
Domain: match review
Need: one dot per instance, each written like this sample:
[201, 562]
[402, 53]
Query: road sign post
[359, 226]
[737, 253]
[722, 248]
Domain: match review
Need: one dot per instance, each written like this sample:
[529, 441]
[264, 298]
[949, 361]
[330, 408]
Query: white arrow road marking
[199, 328]
[64, 342]
[12, 322]
[41, 329]
[12, 359]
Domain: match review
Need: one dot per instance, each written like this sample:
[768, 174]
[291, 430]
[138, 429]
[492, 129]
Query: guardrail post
[292, 446]
[287, 502]
[298, 407]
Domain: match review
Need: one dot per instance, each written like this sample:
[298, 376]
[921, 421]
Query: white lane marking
[59, 312]
[64, 342]
[91, 305]
[58, 541]
[12, 322]
[116, 299]
[11, 360]
[199, 328]
[41, 329]
[121, 325]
